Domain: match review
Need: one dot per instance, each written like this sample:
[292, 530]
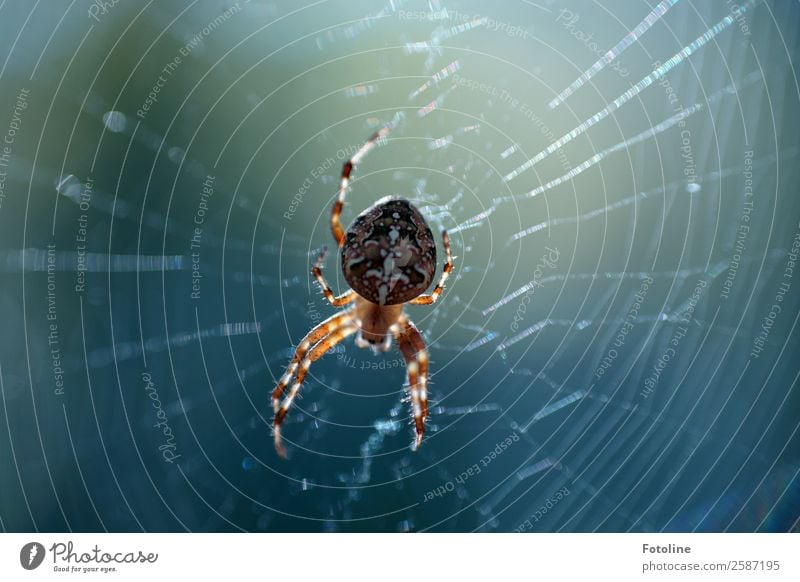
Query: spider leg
[316, 353]
[412, 346]
[336, 225]
[322, 330]
[337, 301]
[448, 266]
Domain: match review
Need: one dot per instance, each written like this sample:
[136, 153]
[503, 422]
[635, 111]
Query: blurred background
[615, 351]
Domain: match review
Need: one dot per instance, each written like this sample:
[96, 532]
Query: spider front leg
[349, 166]
[336, 301]
[325, 344]
[412, 346]
[448, 266]
[325, 328]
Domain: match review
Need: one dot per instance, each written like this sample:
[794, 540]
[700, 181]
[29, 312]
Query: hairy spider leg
[421, 350]
[448, 266]
[336, 225]
[412, 346]
[315, 354]
[337, 301]
[319, 332]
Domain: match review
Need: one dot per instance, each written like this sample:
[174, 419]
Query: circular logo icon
[31, 555]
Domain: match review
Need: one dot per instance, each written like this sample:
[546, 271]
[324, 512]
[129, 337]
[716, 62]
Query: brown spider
[388, 259]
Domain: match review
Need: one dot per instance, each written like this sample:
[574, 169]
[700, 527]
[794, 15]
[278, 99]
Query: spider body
[388, 257]
[375, 324]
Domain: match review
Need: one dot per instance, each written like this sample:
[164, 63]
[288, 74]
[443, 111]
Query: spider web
[605, 357]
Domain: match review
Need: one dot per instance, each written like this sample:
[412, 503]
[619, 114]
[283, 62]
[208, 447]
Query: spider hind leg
[347, 170]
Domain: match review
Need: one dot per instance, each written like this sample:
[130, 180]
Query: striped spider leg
[323, 337]
[349, 166]
[448, 267]
[412, 346]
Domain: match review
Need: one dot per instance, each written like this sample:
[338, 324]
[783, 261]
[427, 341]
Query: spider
[388, 259]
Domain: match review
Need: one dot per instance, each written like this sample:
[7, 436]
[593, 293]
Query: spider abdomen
[389, 255]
